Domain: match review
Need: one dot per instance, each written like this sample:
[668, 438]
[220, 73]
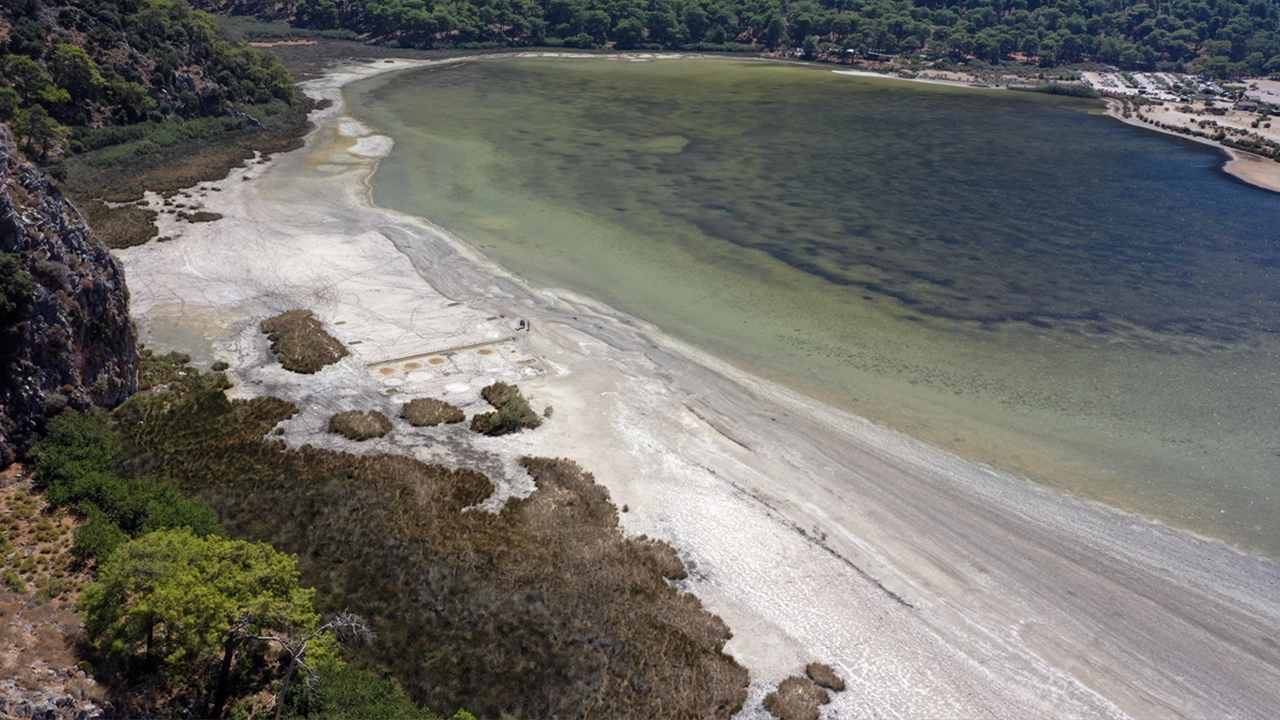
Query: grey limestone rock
[78, 346]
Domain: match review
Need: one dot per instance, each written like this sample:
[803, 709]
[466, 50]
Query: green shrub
[513, 411]
[1068, 89]
[347, 692]
[13, 581]
[75, 464]
[97, 538]
[75, 445]
[16, 288]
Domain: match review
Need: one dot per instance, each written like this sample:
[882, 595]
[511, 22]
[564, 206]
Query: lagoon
[1008, 275]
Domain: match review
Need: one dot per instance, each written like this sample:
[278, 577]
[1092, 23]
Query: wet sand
[936, 587]
[1254, 169]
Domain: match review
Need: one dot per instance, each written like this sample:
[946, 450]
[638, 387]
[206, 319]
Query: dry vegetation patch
[120, 227]
[823, 676]
[796, 698]
[170, 169]
[39, 663]
[356, 425]
[542, 610]
[35, 544]
[200, 216]
[301, 343]
[39, 629]
[427, 412]
[660, 557]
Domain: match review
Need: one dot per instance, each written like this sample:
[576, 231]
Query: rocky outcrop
[20, 704]
[78, 346]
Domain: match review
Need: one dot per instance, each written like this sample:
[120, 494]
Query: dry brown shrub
[356, 425]
[38, 647]
[542, 610]
[301, 343]
[200, 216]
[427, 412]
[661, 557]
[822, 675]
[796, 698]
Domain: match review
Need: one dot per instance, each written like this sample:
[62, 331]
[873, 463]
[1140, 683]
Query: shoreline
[1250, 169]
[1245, 167]
[935, 586]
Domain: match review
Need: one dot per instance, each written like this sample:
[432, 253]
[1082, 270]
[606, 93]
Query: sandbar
[935, 586]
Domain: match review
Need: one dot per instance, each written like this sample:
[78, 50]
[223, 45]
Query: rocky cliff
[77, 346]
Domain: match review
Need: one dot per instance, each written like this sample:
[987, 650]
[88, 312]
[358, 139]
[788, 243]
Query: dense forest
[72, 71]
[1220, 37]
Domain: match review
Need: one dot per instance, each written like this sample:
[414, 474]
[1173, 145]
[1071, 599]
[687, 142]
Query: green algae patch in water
[1005, 274]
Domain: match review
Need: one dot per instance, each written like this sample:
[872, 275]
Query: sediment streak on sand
[937, 587]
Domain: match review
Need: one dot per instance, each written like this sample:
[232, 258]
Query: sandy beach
[938, 588]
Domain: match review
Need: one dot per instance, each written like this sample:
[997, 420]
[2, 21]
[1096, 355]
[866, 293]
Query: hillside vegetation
[115, 97]
[1220, 37]
[104, 72]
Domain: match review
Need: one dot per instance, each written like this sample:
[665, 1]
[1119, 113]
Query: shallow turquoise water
[1009, 275]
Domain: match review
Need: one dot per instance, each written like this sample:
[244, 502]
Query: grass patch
[164, 157]
[120, 227]
[796, 698]
[823, 676]
[428, 412]
[126, 144]
[356, 425]
[513, 411]
[156, 372]
[542, 610]
[300, 342]
[38, 536]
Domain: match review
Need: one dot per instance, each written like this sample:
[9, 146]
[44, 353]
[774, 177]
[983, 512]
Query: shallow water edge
[1125, 406]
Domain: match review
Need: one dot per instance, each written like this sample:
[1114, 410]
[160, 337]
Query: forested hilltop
[71, 70]
[1220, 37]
[114, 97]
